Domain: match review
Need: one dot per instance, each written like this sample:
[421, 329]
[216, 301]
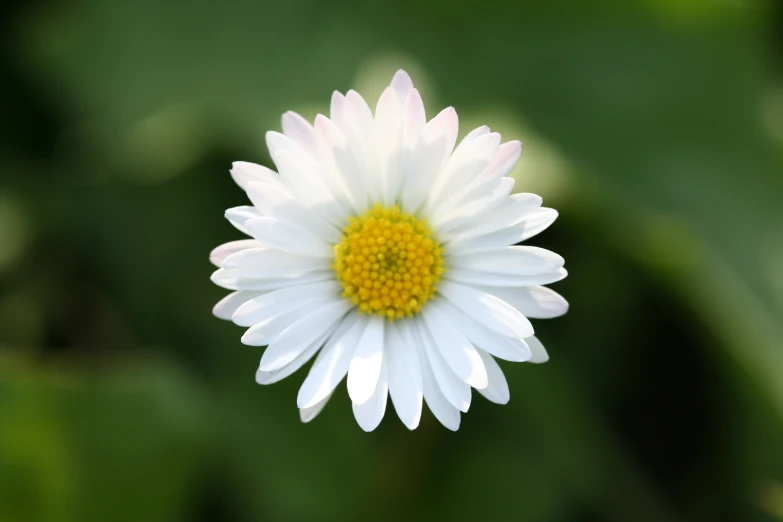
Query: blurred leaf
[116, 445]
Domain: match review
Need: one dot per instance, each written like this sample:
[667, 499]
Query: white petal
[508, 348]
[336, 108]
[244, 172]
[537, 302]
[497, 390]
[413, 121]
[232, 280]
[308, 414]
[284, 300]
[226, 307]
[537, 222]
[405, 385]
[279, 204]
[278, 234]
[333, 361]
[462, 167]
[305, 180]
[482, 200]
[342, 169]
[300, 130]
[277, 142]
[527, 228]
[389, 144]
[370, 413]
[268, 263]
[507, 156]
[475, 133]
[455, 348]
[440, 407]
[357, 114]
[473, 277]
[432, 149]
[512, 260]
[511, 211]
[265, 196]
[455, 390]
[402, 84]
[291, 341]
[263, 333]
[366, 363]
[360, 129]
[539, 352]
[273, 376]
[219, 254]
[414, 118]
[487, 309]
[238, 216]
[500, 167]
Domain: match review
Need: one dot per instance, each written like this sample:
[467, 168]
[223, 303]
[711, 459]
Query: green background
[655, 128]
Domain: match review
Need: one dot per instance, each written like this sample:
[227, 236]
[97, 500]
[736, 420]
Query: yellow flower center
[388, 262]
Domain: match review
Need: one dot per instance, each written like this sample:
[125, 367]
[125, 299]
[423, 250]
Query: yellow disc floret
[388, 262]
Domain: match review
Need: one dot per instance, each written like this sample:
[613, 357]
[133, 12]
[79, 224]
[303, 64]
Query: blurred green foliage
[655, 128]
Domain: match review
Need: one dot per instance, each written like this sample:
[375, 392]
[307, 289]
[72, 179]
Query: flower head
[389, 255]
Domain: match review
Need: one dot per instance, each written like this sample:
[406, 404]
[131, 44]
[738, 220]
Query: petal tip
[217, 312]
[215, 276]
[270, 365]
[304, 402]
[305, 416]
[402, 75]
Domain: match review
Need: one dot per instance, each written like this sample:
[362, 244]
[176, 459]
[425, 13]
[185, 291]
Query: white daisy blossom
[389, 256]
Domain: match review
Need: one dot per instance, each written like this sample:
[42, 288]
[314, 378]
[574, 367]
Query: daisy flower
[389, 255]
